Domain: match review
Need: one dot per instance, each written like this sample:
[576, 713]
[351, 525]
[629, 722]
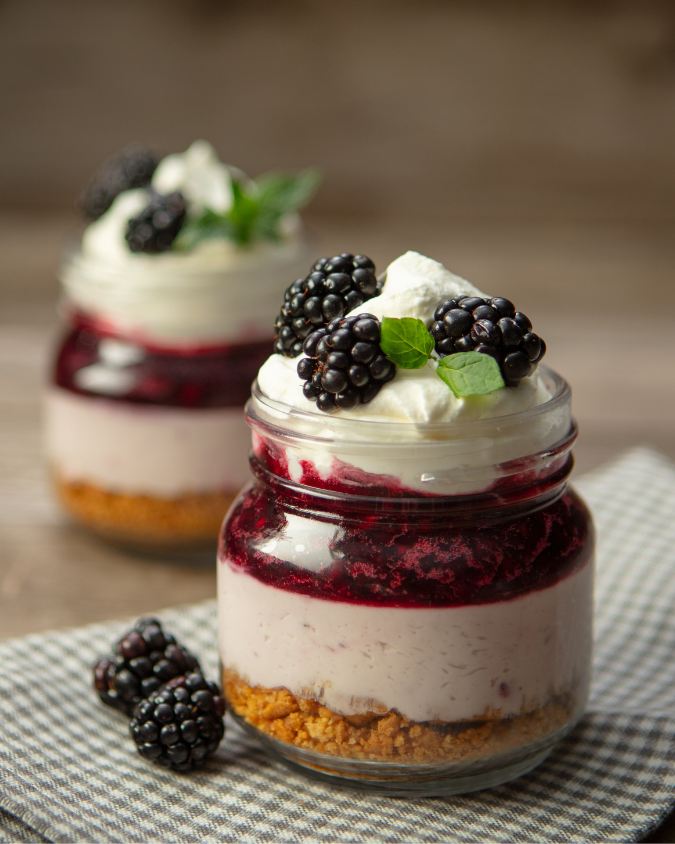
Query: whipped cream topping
[415, 431]
[414, 287]
[217, 292]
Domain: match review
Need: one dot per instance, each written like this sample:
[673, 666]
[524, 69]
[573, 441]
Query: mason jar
[145, 430]
[404, 608]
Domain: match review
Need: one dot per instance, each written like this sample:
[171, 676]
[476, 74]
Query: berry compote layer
[149, 441]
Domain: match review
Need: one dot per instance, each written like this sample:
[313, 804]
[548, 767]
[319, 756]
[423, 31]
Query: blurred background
[529, 146]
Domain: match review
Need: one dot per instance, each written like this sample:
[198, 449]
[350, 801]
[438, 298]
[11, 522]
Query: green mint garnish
[406, 342]
[470, 373]
[257, 209]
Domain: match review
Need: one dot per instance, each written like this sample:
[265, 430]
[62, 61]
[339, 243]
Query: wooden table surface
[603, 297]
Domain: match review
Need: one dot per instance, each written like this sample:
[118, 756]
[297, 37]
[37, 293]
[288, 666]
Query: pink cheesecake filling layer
[438, 663]
[140, 449]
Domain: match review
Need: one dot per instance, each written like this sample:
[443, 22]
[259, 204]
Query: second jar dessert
[169, 304]
[405, 588]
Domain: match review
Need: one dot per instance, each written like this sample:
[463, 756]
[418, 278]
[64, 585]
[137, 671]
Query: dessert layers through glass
[145, 428]
[408, 609]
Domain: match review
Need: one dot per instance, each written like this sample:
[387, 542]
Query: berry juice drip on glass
[405, 587]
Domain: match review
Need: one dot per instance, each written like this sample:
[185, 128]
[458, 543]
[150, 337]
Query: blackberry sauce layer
[199, 378]
[411, 553]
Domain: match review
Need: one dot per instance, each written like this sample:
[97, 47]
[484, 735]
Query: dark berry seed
[316, 380]
[341, 340]
[347, 400]
[154, 637]
[182, 712]
[133, 645]
[338, 283]
[150, 751]
[203, 699]
[312, 310]
[310, 344]
[380, 368]
[297, 303]
[332, 307]
[368, 330]
[542, 351]
[363, 352]
[309, 391]
[334, 381]
[437, 330]
[457, 322]
[443, 308]
[286, 336]
[484, 349]
[301, 327]
[126, 684]
[485, 312]
[511, 334]
[179, 754]
[503, 307]
[445, 347]
[516, 366]
[464, 344]
[306, 368]
[353, 300]
[338, 360]
[148, 731]
[363, 262]
[531, 345]
[358, 375]
[320, 264]
[141, 666]
[326, 403]
[150, 685]
[314, 284]
[366, 281]
[523, 322]
[338, 264]
[485, 331]
[194, 682]
[322, 347]
[189, 730]
[471, 302]
[163, 713]
[170, 734]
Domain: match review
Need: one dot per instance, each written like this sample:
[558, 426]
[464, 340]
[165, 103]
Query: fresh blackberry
[132, 168]
[492, 327]
[155, 228]
[333, 288]
[345, 365]
[146, 658]
[180, 725]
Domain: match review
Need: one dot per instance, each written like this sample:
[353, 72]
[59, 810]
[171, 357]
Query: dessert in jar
[169, 303]
[405, 587]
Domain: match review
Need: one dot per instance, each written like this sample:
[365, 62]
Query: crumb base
[144, 518]
[388, 737]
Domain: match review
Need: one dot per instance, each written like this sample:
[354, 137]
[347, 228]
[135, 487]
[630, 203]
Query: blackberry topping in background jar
[334, 287]
[491, 326]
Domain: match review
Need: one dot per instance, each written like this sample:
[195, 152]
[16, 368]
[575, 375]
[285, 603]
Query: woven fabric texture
[68, 771]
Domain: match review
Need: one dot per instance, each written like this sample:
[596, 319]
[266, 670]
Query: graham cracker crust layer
[142, 517]
[388, 736]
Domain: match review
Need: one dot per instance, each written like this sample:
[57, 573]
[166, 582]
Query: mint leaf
[256, 212]
[470, 373]
[406, 342]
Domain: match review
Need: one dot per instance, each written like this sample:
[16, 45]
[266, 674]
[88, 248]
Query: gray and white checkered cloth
[68, 772]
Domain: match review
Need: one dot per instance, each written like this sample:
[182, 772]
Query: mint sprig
[470, 373]
[407, 343]
[256, 212]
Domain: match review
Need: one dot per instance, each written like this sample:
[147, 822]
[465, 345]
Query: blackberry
[492, 327]
[345, 365]
[146, 658]
[181, 725]
[155, 228]
[132, 168]
[333, 288]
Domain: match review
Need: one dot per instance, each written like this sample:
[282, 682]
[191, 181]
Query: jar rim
[301, 422]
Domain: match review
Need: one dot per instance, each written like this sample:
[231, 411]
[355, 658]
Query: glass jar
[145, 431]
[407, 609]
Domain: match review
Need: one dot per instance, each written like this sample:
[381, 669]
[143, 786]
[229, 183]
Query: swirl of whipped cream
[216, 293]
